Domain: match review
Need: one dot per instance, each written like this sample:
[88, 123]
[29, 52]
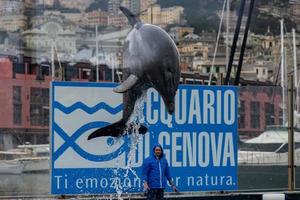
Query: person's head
[158, 151]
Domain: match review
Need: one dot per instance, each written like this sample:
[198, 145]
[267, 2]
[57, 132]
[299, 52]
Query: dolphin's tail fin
[114, 130]
[132, 18]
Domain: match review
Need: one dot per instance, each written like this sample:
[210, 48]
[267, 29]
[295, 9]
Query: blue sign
[199, 139]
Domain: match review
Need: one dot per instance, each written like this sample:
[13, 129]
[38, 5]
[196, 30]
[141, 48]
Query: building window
[242, 115]
[17, 105]
[42, 139]
[39, 107]
[255, 114]
[17, 113]
[17, 91]
[269, 114]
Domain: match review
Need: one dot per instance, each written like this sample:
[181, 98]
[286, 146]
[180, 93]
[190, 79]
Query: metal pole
[151, 15]
[235, 39]
[298, 109]
[295, 57]
[220, 79]
[282, 74]
[52, 60]
[295, 69]
[286, 79]
[239, 69]
[227, 33]
[97, 54]
[113, 71]
[291, 153]
[60, 77]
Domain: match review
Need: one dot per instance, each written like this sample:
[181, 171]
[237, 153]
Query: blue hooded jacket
[156, 170]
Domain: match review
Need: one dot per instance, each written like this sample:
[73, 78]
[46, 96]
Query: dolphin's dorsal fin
[132, 18]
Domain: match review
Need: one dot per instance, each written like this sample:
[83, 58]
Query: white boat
[269, 148]
[38, 159]
[25, 159]
[10, 166]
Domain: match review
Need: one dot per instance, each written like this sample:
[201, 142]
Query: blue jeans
[155, 194]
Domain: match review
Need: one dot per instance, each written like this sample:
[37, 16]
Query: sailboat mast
[113, 73]
[227, 32]
[295, 69]
[52, 60]
[97, 55]
[234, 41]
[282, 73]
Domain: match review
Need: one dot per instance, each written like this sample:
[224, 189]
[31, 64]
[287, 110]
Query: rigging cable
[217, 44]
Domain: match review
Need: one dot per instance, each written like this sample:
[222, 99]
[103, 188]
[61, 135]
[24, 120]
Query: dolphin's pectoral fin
[114, 130]
[127, 84]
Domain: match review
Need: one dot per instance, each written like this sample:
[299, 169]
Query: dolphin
[150, 59]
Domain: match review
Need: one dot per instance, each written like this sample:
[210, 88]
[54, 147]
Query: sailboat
[271, 146]
[25, 159]
[264, 160]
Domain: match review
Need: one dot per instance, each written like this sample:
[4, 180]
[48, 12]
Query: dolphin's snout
[169, 100]
[171, 107]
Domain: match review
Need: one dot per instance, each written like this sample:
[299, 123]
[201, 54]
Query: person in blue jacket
[155, 173]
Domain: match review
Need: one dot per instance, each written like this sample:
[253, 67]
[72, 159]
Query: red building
[259, 106]
[24, 107]
[24, 99]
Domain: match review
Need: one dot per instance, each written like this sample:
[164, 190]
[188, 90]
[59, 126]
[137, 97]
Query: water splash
[133, 125]
[135, 121]
[118, 187]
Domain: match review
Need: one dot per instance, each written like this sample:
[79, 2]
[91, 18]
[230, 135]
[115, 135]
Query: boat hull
[11, 167]
[36, 166]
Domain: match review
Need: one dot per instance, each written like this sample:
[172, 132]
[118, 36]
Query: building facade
[25, 104]
[13, 23]
[34, 3]
[118, 20]
[24, 98]
[114, 6]
[12, 16]
[259, 107]
[97, 17]
[78, 4]
[39, 41]
[145, 4]
[163, 16]
[178, 32]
